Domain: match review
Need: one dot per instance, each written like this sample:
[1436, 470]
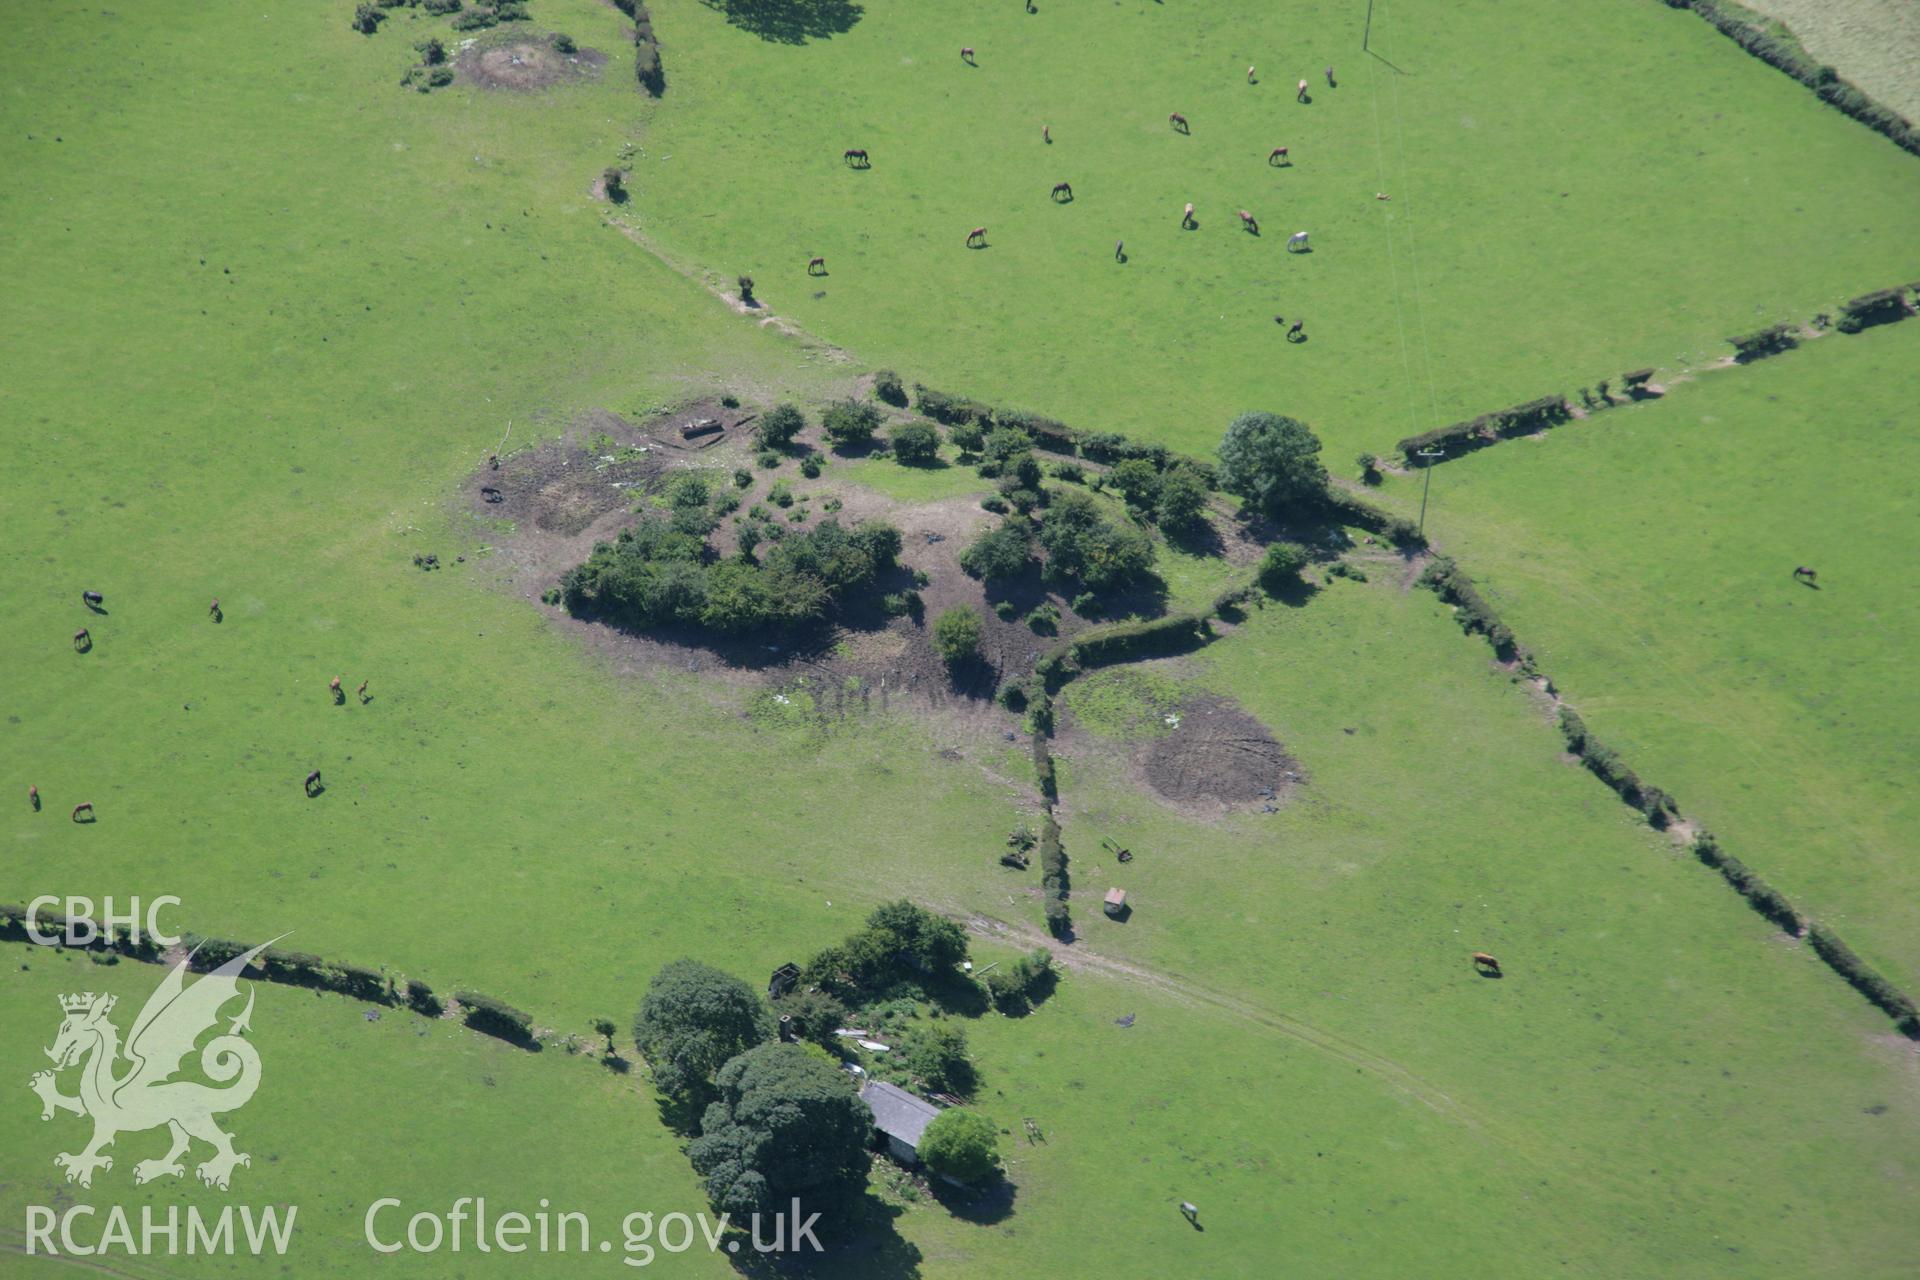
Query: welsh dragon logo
[127, 1089]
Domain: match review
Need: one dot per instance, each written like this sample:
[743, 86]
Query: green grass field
[1575, 190]
[1645, 556]
[267, 312]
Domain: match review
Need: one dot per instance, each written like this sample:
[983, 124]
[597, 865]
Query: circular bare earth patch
[523, 65]
[1218, 755]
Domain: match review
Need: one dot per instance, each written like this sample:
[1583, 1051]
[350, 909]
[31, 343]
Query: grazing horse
[1046, 134]
[1483, 961]
[1062, 189]
[857, 157]
[966, 55]
[1279, 154]
[92, 599]
[1179, 122]
[83, 640]
[1250, 79]
[1248, 221]
[816, 262]
[86, 807]
[1331, 83]
[1186, 216]
[333, 687]
[313, 780]
[977, 237]
[1296, 242]
[1802, 573]
[361, 693]
[213, 610]
[33, 797]
[1119, 250]
[1300, 94]
[1298, 332]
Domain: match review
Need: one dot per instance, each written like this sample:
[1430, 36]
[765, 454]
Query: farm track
[1081, 960]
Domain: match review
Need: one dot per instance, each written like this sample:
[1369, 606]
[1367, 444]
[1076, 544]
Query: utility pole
[1431, 455]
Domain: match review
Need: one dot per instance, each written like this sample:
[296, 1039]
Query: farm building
[1116, 903]
[900, 1116]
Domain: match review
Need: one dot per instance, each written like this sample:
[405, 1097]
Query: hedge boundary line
[1456, 440]
[479, 1012]
[647, 68]
[1743, 27]
[1476, 617]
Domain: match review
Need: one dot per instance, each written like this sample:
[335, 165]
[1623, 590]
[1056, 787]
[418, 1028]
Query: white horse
[1296, 242]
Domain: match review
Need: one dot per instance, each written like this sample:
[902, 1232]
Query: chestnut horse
[977, 237]
[1062, 189]
[1179, 122]
[1481, 960]
[1248, 221]
[816, 262]
[1278, 153]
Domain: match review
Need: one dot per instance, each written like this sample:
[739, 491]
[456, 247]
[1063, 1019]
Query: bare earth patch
[525, 64]
[1218, 756]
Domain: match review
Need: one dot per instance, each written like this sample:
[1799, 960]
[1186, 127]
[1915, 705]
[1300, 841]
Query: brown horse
[312, 782]
[1299, 331]
[33, 797]
[333, 687]
[361, 693]
[82, 640]
[1062, 189]
[92, 599]
[1802, 573]
[1278, 154]
[857, 157]
[966, 55]
[977, 238]
[816, 262]
[1248, 221]
[86, 807]
[213, 610]
[1046, 134]
[1179, 122]
[1486, 963]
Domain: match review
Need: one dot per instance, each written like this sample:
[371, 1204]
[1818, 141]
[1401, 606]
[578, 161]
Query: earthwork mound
[523, 65]
[1219, 755]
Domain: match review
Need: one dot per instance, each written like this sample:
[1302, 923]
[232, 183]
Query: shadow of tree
[990, 1203]
[789, 21]
[858, 1239]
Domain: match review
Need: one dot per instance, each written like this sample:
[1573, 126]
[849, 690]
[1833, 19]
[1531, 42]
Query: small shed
[900, 1117]
[782, 981]
[1116, 903]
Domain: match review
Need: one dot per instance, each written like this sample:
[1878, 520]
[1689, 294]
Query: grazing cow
[83, 640]
[1248, 221]
[1331, 83]
[1278, 156]
[312, 784]
[333, 687]
[1186, 216]
[966, 56]
[816, 262]
[1486, 963]
[1179, 122]
[1803, 573]
[1062, 189]
[92, 599]
[1300, 94]
[1297, 242]
[976, 237]
[857, 157]
[33, 797]
[1046, 134]
[86, 807]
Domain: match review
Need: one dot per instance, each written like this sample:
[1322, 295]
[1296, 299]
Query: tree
[693, 1019]
[1082, 543]
[433, 53]
[1280, 567]
[814, 1015]
[967, 437]
[746, 289]
[367, 19]
[915, 443]
[850, 422]
[956, 634]
[778, 426]
[1139, 480]
[1183, 498]
[787, 1124]
[931, 943]
[1273, 462]
[1003, 552]
[961, 1144]
[937, 1053]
